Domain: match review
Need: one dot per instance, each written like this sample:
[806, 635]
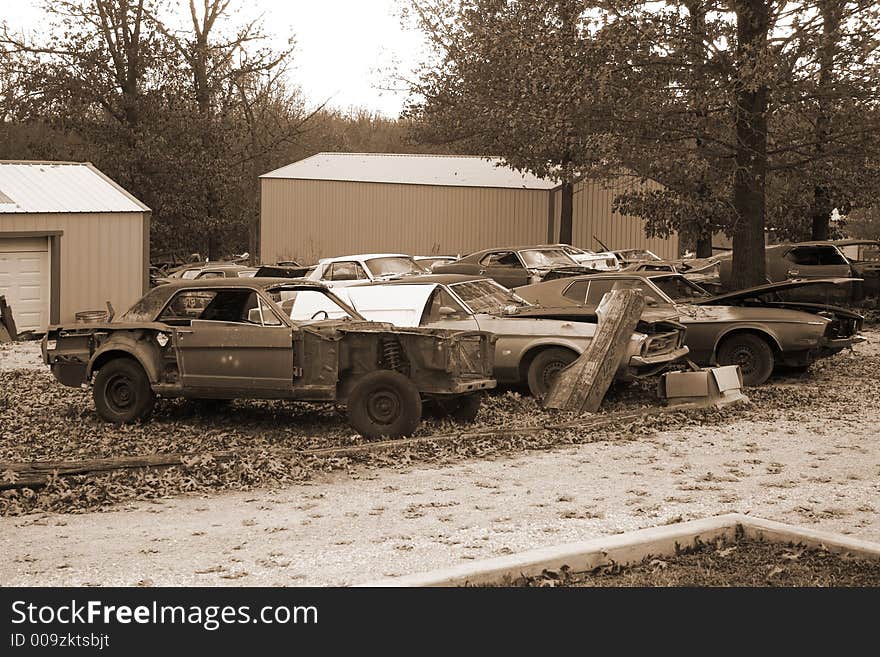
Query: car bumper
[833, 345]
[641, 366]
[472, 385]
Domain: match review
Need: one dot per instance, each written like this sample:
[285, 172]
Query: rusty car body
[516, 265]
[532, 345]
[752, 328]
[229, 339]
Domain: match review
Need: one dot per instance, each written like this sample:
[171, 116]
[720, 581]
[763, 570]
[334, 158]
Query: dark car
[752, 328]
[230, 339]
[514, 266]
[864, 258]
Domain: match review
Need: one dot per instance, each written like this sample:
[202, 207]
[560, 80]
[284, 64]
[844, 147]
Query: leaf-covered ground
[745, 562]
[43, 420]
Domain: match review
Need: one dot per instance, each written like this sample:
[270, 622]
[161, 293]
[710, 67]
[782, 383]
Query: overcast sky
[344, 47]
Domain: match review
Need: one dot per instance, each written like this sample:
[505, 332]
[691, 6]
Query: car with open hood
[270, 338]
[753, 328]
[532, 345]
[518, 265]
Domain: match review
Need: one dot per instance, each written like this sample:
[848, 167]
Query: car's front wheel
[545, 367]
[753, 355]
[122, 392]
[384, 404]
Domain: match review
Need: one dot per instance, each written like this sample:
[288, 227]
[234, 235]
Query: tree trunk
[704, 246]
[750, 117]
[831, 11]
[566, 213]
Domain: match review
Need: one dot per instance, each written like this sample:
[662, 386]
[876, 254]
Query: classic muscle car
[352, 269]
[519, 265]
[751, 328]
[530, 348]
[229, 339]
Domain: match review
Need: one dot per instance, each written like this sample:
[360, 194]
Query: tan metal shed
[338, 203]
[71, 239]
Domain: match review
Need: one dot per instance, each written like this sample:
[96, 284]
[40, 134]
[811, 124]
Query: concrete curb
[628, 548]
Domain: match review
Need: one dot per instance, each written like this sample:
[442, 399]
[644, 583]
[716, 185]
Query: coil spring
[392, 354]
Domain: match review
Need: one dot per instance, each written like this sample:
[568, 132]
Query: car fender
[770, 330]
[131, 344]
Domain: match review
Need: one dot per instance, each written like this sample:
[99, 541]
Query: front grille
[663, 343]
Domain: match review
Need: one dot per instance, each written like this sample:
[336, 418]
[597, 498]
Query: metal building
[340, 203]
[71, 239]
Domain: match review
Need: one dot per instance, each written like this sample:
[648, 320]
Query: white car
[603, 261]
[351, 269]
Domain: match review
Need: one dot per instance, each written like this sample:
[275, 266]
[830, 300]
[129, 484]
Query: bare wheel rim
[120, 393]
[383, 406]
[744, 356]
[551, 371]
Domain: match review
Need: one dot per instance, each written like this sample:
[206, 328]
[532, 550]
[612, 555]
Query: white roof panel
[445, 170]
[61, 187]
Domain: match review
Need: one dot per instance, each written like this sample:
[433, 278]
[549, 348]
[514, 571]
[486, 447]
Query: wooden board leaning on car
[582, 385]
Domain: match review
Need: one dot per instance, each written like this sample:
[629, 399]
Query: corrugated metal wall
[592, 215]
[102, 257]
[310, 219]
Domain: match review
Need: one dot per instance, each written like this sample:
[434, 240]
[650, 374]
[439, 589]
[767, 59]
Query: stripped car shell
[525, 333]
[229, 339]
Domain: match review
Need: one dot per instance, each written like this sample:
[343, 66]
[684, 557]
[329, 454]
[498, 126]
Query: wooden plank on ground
[582, 385]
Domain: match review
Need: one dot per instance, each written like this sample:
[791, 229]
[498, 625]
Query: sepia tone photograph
[438, 293]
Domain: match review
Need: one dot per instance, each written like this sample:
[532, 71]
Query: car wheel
[384, 404]
[122, 392]
[545, 367]
[462, 409]
[753, 355]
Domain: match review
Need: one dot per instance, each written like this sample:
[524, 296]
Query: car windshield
[190, 274]
[487, 296]
[679, 289]
[394, 266]
[539, 258]
[311, 305]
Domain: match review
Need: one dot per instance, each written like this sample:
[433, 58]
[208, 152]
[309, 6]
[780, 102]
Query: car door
[234, 344]
[504, 267]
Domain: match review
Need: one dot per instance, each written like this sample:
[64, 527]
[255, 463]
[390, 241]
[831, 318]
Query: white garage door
[24, 280]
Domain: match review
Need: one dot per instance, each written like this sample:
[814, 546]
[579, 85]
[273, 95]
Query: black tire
[463, 409]
[753, 355]
[544, 368]
[384, 404]
[122, 392]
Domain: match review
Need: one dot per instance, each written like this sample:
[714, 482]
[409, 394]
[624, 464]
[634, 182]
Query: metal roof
[61, 187]
[406, 169]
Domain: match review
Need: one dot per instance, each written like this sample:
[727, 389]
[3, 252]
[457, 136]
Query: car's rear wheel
[753, 355]
[122, 392]
[384, 404]
[545, 367]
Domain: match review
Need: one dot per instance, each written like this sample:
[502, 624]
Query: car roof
[363, 256]
[427, 279]
[254, 282]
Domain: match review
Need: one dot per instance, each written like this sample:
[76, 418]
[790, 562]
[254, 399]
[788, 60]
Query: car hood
[664, 313]
[758, 290]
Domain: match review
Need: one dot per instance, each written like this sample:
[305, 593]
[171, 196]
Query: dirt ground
[818, 466]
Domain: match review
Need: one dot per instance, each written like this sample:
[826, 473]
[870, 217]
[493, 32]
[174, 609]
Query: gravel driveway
[815, 464]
